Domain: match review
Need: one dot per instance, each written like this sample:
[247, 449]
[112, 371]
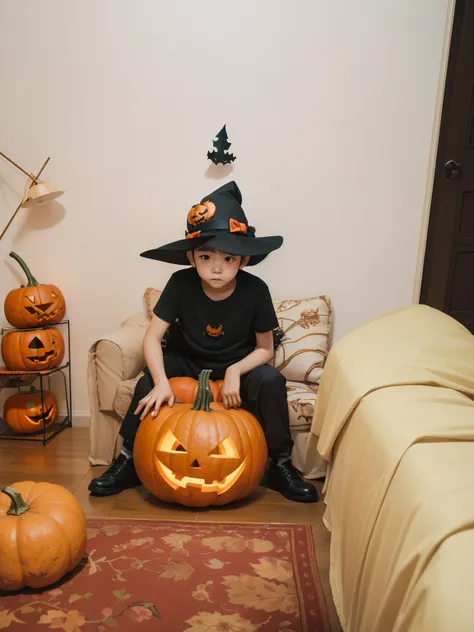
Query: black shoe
[287, 480]
[120, 475]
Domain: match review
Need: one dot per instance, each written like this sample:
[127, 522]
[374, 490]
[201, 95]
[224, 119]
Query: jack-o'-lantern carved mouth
[41, 356]
[42, 311]
[225, 451]
[44, 417]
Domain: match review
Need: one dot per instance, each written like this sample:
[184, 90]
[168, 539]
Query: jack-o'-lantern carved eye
[172, 444]
[226, 449]
[53, 294]
[36, 344]
[31, 298]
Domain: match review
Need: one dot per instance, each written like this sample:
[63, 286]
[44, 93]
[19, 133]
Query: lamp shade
[40, 193]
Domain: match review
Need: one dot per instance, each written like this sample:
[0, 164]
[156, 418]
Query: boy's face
[216, 268]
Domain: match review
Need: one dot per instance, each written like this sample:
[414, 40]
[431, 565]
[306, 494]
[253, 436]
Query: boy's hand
[155, 398]
[230, 391]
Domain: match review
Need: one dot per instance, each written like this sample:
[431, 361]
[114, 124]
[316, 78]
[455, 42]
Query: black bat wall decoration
[220, 153]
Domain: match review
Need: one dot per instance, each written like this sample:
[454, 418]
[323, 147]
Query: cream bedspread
[395, 417]
[374, 562]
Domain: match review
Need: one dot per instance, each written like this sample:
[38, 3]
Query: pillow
[151, 297]
[306, 324]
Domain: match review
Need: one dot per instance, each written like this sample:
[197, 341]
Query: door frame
[452, 36]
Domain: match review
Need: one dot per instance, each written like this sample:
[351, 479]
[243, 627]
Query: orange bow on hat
[237, 227]
[193, 235]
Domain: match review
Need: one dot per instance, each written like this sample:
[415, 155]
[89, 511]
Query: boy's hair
[209, 249]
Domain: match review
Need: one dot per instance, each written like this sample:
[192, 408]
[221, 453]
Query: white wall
[330, 111]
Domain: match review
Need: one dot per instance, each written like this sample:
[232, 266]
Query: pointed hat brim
[257, 248]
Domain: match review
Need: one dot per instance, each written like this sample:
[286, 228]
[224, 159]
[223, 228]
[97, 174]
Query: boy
[215, 316]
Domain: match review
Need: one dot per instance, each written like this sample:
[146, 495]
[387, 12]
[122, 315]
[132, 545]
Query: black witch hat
[219, 222]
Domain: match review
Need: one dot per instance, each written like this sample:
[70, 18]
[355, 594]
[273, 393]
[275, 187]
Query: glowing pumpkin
[24, 413]
[35, 304]
[200, 455]
[35, 350]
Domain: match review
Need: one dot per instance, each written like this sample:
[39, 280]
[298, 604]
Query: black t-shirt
[215, 333]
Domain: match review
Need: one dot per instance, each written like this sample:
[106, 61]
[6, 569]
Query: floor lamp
[37, 192]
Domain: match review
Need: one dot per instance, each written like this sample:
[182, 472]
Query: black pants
[263, 394]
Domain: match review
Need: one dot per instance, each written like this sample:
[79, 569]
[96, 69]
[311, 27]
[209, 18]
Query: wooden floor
[64, 461]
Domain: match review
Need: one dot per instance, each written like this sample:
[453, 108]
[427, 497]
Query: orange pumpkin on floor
[34, 305]
[24, 413]
[185, 389]
[200, 455]
[35, 350]
[42, 534]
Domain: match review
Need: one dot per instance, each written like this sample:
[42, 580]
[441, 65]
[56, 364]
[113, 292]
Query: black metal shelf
[42, 436]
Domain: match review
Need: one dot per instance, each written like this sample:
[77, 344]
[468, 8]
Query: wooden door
[448, 272]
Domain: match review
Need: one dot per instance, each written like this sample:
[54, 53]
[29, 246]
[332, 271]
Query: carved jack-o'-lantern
[200, 455]
[185, 389]
[35, 350]
[215, 331]
[34, 305]
[201, 213]
[24, 413]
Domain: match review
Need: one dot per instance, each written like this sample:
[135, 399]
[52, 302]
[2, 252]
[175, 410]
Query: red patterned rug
[181, 577]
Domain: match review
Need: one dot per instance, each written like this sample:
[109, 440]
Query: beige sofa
[116, 363]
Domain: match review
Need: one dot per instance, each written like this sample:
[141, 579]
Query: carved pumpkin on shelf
[36, 350]
[24, 413]
[35, 304]
[42, 534]
[200, 455]
[185, 389]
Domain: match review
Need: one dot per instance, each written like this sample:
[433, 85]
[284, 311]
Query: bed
[394, 420]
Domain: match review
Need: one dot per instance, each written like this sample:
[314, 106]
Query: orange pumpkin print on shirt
[215, 331]
[201, 213]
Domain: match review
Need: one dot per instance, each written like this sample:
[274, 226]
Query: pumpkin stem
[18, 506]
[31, 279]
[203, 395]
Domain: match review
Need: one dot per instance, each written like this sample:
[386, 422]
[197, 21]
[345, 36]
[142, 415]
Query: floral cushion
[306, 323]
[301, 401]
